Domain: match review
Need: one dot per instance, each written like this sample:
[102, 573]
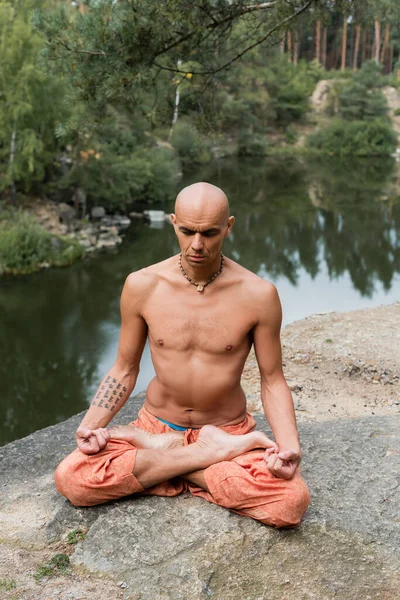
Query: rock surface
[339, 365]
[347, 547]
[320, 99]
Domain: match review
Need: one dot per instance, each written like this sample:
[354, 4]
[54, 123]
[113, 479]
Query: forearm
[110, 397]
[279, 411]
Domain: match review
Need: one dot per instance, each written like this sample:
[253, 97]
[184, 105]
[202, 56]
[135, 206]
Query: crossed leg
[135, 460]
[241, 483]
[218, 467]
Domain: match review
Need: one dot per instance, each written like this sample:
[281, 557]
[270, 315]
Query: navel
[228, 347]
[160, 342]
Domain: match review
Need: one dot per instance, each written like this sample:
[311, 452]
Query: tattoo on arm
[110, 393]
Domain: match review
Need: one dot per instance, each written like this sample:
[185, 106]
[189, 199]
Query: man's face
[200, 234]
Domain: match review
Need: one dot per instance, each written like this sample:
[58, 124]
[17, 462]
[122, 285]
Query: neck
[201, 273]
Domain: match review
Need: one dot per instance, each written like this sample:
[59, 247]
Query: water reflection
[309, 226]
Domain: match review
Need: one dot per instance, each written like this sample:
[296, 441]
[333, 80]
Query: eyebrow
[212, 230]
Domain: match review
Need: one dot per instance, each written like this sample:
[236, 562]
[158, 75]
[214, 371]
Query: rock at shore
[347, 547]
[184, 548]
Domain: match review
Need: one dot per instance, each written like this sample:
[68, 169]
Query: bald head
[200, 199]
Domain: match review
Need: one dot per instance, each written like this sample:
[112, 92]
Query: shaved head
[200, 199]
[202, 222]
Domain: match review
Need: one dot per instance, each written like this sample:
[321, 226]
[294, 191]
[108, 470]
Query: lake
[326, 233]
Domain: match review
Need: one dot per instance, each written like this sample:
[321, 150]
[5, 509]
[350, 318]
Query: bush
[25, 246]
[357, 103]
[356, 138]
[189, 145]
[251, 144]
[116, 175]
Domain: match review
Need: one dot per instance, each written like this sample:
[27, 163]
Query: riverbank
[331, 363]
[339, 365]
[43, 234]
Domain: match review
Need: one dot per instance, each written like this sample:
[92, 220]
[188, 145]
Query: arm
[118, 383]
[275, 394]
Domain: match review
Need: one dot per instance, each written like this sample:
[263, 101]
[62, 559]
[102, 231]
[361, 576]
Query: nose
[197, 242]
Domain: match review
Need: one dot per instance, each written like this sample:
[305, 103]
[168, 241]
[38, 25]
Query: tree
[31, 102]
[344, 43]
[118, 50]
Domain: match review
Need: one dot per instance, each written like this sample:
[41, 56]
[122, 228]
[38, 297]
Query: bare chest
[214, 325]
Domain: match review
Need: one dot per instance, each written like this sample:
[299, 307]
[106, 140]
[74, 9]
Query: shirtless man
[201, 313]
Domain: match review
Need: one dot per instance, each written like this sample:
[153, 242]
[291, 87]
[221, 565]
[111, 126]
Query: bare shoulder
[257, 287]
[261, 293]
[146, 280]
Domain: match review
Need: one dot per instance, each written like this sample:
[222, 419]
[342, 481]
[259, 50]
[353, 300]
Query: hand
[91, 441]
[282, 464]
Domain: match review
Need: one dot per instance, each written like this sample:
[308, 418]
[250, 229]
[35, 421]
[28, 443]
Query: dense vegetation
[25, 246]
[114, 101]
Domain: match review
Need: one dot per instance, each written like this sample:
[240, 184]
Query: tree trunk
[344, 44]
[390, 65]
[323, 49]
[82, 8]
[364, 47]
[282, 46]
[176, 107]
[377, 43]
[356, 48]
[289, 45]
[13, 147]
[318, 41]
[295, 46]
[385, 43]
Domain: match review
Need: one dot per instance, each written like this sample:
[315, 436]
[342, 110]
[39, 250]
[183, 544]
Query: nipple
[160, 342]
[228, 347]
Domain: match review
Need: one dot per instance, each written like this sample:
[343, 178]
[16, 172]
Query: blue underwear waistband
[173, 426]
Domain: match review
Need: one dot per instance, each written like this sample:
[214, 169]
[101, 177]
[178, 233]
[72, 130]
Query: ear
[173, 219]
[231, 221]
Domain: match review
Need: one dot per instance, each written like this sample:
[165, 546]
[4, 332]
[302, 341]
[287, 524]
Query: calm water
[328, 235]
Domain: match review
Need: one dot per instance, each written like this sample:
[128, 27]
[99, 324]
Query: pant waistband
[173, 426]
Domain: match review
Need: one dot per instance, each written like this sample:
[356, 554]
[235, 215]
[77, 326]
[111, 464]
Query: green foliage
[251, 144]
[289, 88]
[362, 99]
[116, 175]
[357, 102]
[58, 565]
[355, 138]
[291, 135]
[75, 536]
[267, 92]
[114, 54]
[7, 584]
[189, 144]
[25, 246]
[370, 75]
[31, 103]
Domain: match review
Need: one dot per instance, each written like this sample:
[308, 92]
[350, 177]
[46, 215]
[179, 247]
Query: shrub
[357, 103]
[189, 145]
[357, 138]
[251, 144]
[25, 246]
[123, 175]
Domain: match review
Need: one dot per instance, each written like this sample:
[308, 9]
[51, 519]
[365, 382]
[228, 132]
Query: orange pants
[244, 484]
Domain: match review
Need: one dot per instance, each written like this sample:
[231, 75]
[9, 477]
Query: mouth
[197, 258]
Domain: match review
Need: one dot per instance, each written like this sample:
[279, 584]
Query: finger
[89, 446]
[289, 455]
[106, 433]
[100, 438]
[271, 462]
[285, 472]
[84, 432]
[270, 451]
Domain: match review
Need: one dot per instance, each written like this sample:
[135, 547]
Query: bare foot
[224, 446]
[144, 439]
